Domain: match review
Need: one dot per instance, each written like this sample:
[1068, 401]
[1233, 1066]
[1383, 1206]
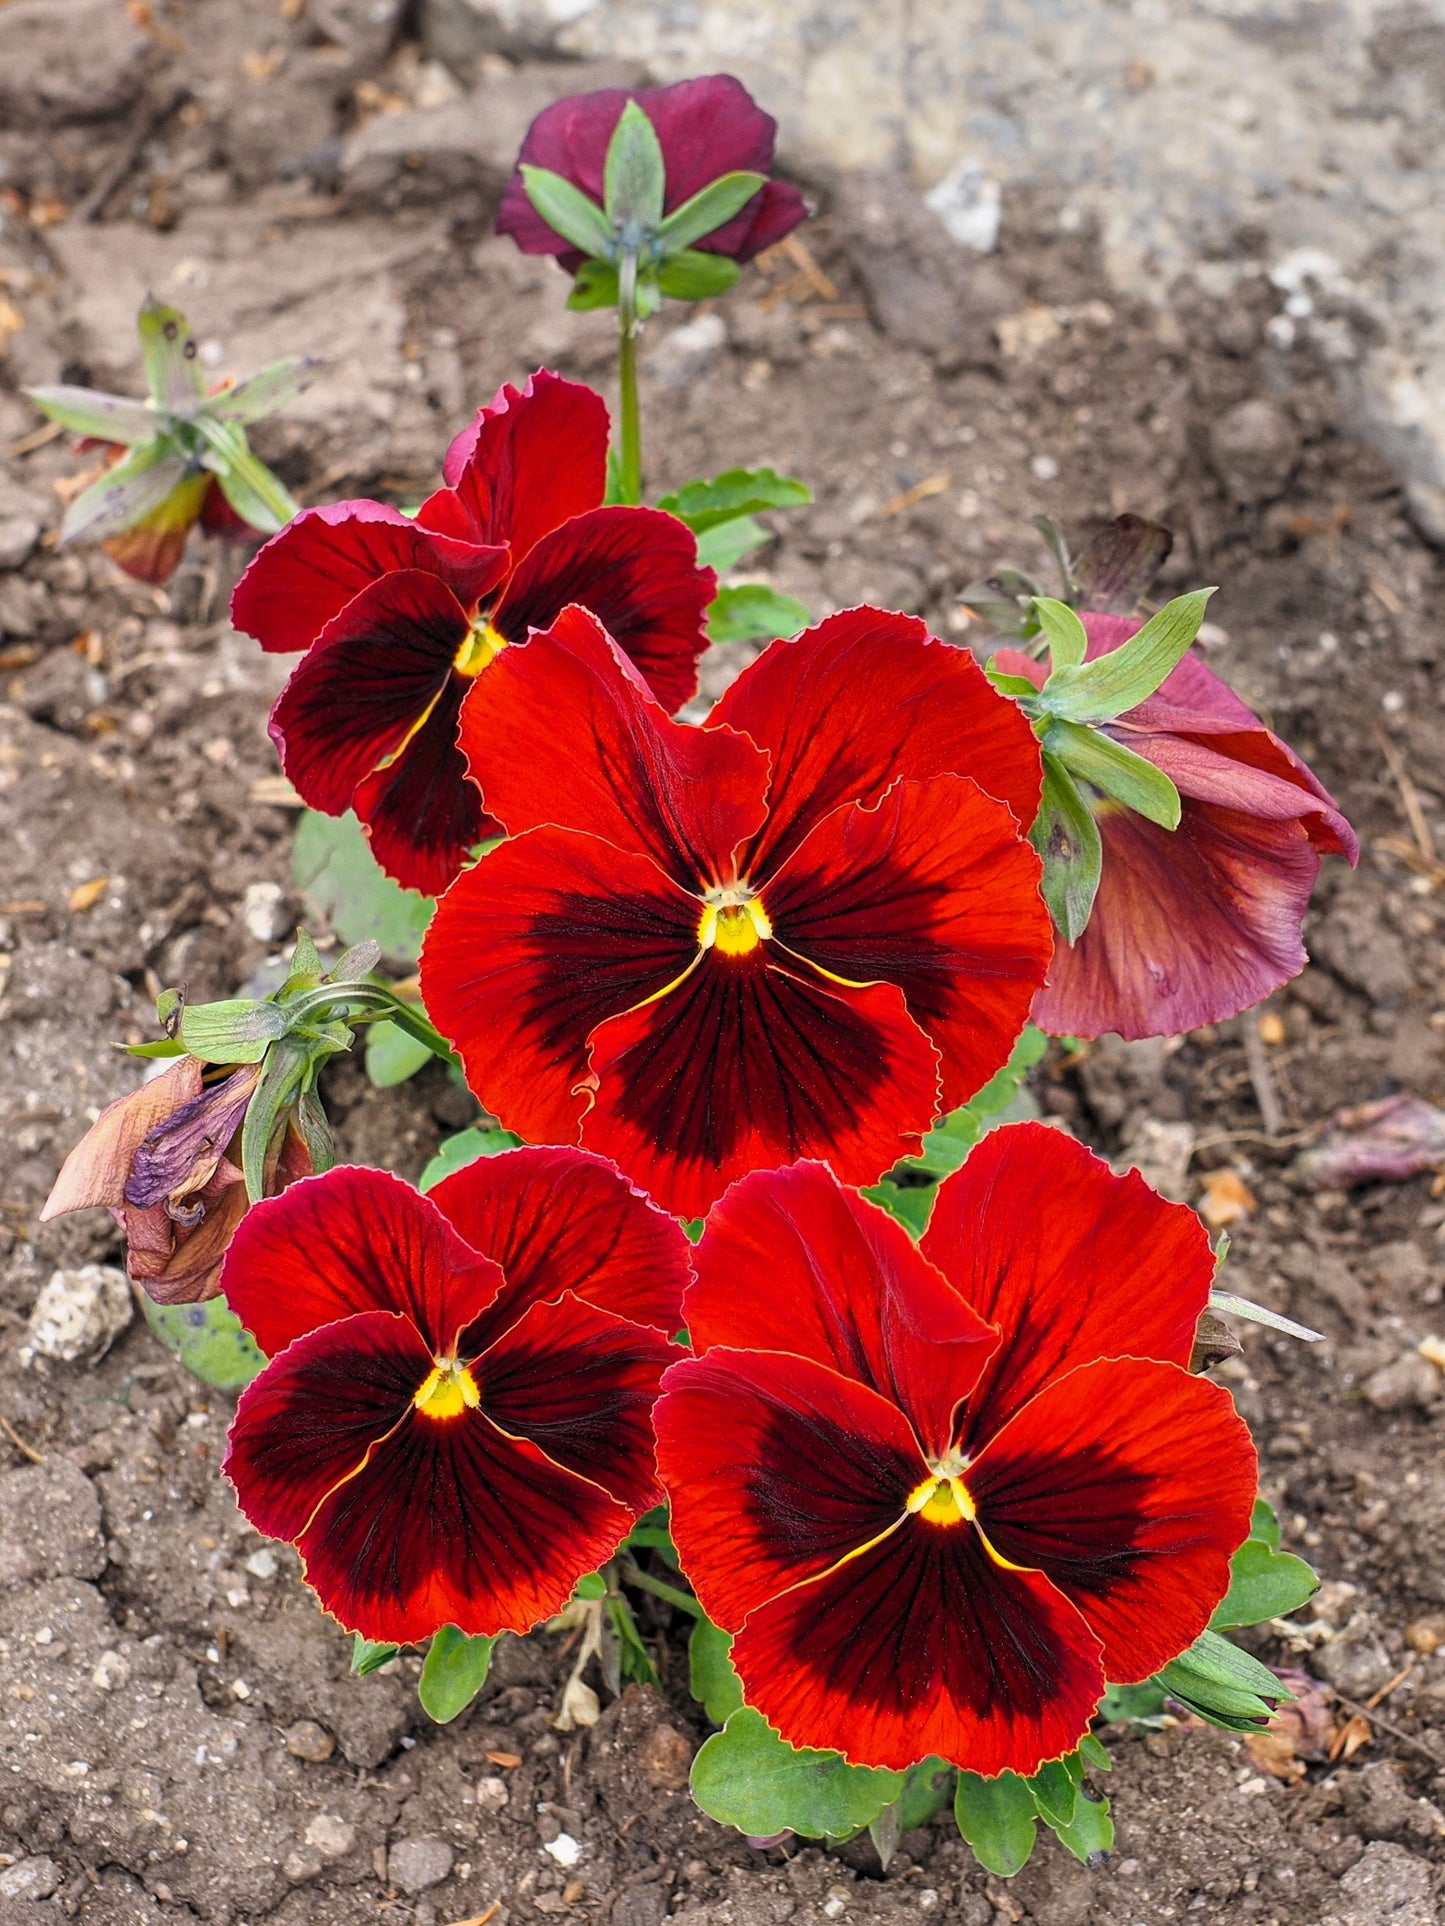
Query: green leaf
[239, 1030]
[89, 412]
[594, 286]
[568, 212]
[1095, 1753]
[693, 276]
[258, 496]
[740, 491]
[1099, 690]
[1003, 1099]
[911, 1204]
[209, 1339]
[746, 1776]
[453, 1672]
[369, 1655]
[635, 1660]
[1228, 1305]
[708, 210]
[927, 1789]
[1263, 1584]
[998, 1818]
[634, 176]
[163, 1047]
[1263, 1524]
[725, 546]
[752, 612]
[1091, 756]
[127, 493]
[1067, 838]
[1056, 1789]
[334, 867]
[392, 1056]
[714, 1682]
[1133, 1704]
[1090, 1833]
[455, 1153]
[1223, 1684]
[1067, 638]
[263, 394]
[171, 358]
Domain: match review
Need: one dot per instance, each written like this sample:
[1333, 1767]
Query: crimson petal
[353, 1240]
[791, 1261]
[1129, 1484]
[1071, 1262]
[931, 888]
[423, 812]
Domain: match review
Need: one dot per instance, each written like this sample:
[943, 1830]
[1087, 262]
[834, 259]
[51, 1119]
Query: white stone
[80, 1313]
[564, 1849]
[969, 202]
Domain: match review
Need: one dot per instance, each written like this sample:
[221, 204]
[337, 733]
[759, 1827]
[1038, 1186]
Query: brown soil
[156, 1785]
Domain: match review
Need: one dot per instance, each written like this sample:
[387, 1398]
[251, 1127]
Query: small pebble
[262, 1564]
[34, 1878]
[564, 1849]
[111, 1672]
[491, 1794]
[307, 1740]
[333, 1838]
[298, 1867]
[415, 1864]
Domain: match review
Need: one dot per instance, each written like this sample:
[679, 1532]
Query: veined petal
[1069, 1261]
[636, 571]
[97, 1168]
[353, 1240]
[751, 1063]
[423, 812]
[1129, 1484]
[559, 1220]
[305, 576]
[307, 1423]
[934, 889]
[371, 680]
[861, 700]
[530, 460]
[1252, 772]
[777, 1468]
[922, 1646]
[151, 548]
[562, 730]
[547, 936]
[580, 1384]
[791, 1261]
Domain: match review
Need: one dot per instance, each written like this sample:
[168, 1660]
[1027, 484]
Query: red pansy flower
[706, 128]
[941, 1495]
[1194, 924]
[788, 933]
[399, 615]
[455, 1423]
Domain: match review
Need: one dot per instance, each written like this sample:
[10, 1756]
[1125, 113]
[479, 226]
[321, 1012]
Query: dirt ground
[179, 1736]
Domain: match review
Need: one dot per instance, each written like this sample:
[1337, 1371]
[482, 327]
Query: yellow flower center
[482, 646]
[943, 1498]
[448, 1390]
[733, 921]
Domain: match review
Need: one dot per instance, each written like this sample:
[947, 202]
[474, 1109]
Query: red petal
[563, 730]
[790, 1261]
[531, 459]
[933, 889]
[923, 1647]
[371, 679]
[1070, 1262]
[353, 1240]
[530, 950]
[858, 702]
[1129, 1484]
[453, 1523]
[637, 571]
[563, 1220]
[423, 812]
[218, 518]
[580, 1384]
[748, 1065]
[1189, 927]
[775, 212]
[776, 1468]
[309, 1420]
[304, 577]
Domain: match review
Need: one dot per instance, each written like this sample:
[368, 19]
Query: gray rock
[415, 1864]
[1386, 1883]
[80, 1313]
[1356, 1662]
[333, 1838]
[1409, 1383]
[1255, 447]
[35, 1878]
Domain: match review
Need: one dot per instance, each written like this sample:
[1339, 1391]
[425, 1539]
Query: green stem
[630, 453]
[373, 1002]
[644, 1581]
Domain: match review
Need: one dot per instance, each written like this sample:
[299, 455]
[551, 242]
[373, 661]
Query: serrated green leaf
[746, 1776]
[453, 1672]
[1089, 1834]
[714, 1682]
[1067, 638]
[90, 412]
[1067, 839]
[171, 359]
[739, 491]
[455, 1153]
[369, 1655]
[392, 1056]
[125, 494]
[264, 393]
[568, 212]
[998, 1818]
[708, 210]
[1098, 691]
[1093, 757]
[332, 863]
[634, 175]
[752, 612]
[593, 286]
[694, 276]
[1263, 1584]
[209, 1339]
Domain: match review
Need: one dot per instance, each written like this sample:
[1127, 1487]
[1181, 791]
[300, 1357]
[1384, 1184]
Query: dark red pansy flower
[1194, 924]
[941, 1495]
[788, 933]
[400, 615]
[455, 1423]
[706, 128]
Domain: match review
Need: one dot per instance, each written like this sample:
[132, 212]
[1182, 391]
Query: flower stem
[644, 1581]
[630, 451]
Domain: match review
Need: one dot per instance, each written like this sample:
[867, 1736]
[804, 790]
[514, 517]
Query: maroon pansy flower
[941, 1494]
[400, 615]
[706, 128]
[1194, 924]
[792, 932]
[455, 1423]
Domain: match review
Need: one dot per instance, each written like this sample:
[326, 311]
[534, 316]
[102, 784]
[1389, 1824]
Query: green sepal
[456, 1152]
[709, 209]
[171, 359]
[163, 1047]
[288, 1063]
[634, 174]
[748, 1777]
[353, 965]
[568, 212]
[753, 612]
[695, 276]
[89, 412]
[1018, 687]
[209, 1339]
[1227, 1304]
[1066, 635]
[332, 863]
[593, 286]
[261, 394]
[369, 1655]
[712, 1677]
[1098, 691]
[739, 491]
[999, 1819]
[125, 494]
[313, 1127]
[238, 1030]
[1091, 756]
[1067, 839]
[258, 497]
[453, 1672]
[1223, 1684]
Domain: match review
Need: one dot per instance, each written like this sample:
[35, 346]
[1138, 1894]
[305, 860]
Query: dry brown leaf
[1350, 1737]
[1273, 1752]
[86, 895]
[509, 1761]
[1226, 1199]
[920, 492]
[11, 321]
